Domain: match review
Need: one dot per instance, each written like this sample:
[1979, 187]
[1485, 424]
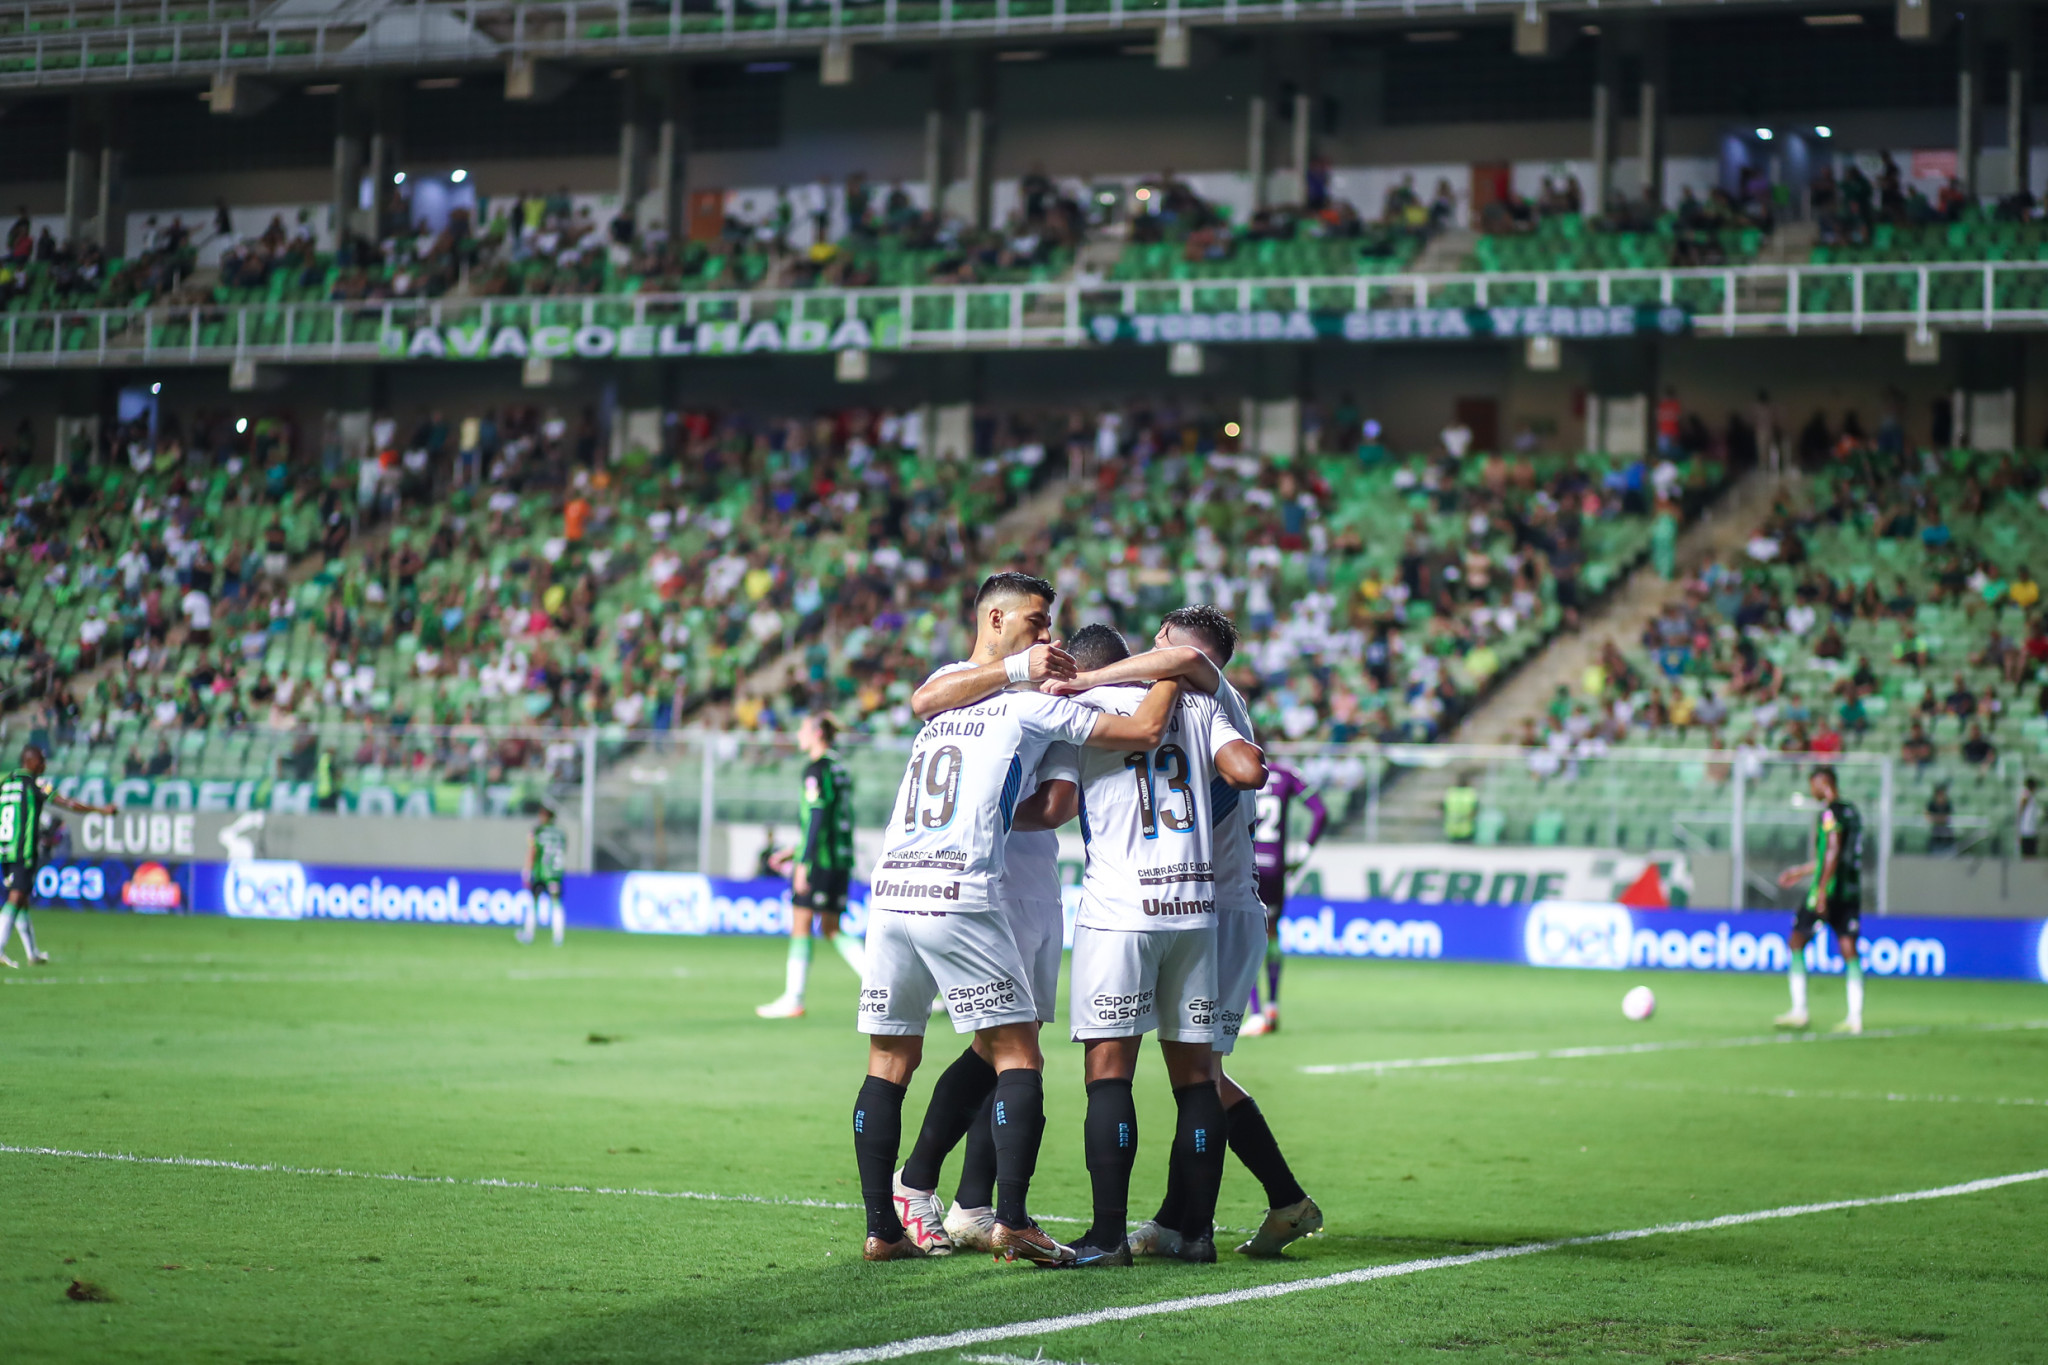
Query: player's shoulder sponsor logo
[264, 888]
[1577, 934]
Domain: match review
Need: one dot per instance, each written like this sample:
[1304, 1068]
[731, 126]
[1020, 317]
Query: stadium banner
[642, 341]
[1393, 324]
[351, 797]
[1609, 936]
[146, 887]
[1596, 935]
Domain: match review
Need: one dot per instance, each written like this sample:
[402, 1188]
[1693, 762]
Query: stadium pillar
[346, 193]
[978, 84]
[81, 165]
[2019, 72]
[1605, 81]
[1969, 103]
[671, 150]
[1650, 115]
[1304, 143]
[632, 150]
[1255, 158]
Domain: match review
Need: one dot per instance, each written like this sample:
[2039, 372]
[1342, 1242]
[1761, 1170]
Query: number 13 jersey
[1146, 820]
[943, 851]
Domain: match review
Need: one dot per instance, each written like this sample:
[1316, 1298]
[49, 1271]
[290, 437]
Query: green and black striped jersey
[550, 853]
[22, 798]
[826, 814]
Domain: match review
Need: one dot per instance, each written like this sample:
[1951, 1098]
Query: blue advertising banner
[1596, 935]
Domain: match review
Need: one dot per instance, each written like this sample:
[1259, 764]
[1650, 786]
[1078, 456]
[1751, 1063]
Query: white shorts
[1127, 983]
[1240, 952]
[969, 958]
[1040, 928]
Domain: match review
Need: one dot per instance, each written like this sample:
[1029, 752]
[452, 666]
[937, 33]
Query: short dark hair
[1013, 584]
[1098, 646]
[1217, 632]
[828, 726]
[1826, 770]
[26, 750]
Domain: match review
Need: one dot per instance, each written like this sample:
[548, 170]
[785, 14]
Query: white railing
[43, 43]
[1728, 301]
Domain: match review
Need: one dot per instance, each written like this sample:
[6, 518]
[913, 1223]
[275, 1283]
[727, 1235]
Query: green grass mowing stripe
[1632, 1049]
[977, 1336]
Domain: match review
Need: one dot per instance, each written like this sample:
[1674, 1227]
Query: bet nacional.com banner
[1594, 935]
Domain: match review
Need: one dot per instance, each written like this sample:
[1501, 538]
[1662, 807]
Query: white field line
[230, 978]
[482, 1182]
[1018, 1360]
[950, 1341]
[1774, 1092]
[275, 1168]
[1632, 1049]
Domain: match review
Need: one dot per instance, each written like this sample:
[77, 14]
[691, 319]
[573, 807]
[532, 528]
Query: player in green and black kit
[23, 794]
[547, 860]
[822, 867]
[1834, 895]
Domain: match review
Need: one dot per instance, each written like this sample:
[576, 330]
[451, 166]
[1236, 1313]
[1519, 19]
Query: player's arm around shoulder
[956, 686]
[1177, 663]
[1144, 728]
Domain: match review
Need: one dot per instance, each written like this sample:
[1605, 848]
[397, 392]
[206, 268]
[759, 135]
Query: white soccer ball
[1639, 1004]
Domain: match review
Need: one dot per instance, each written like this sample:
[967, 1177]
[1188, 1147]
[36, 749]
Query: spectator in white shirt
[198, 610]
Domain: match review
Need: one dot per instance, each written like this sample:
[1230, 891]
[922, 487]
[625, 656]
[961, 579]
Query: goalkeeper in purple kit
[1274, 804]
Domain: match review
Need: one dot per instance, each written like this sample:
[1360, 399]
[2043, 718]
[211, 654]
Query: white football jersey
[1233, 811]
[945, 844]
[1030, 873]
[1146, 818]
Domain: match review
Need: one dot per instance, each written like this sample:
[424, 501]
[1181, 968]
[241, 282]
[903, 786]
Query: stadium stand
[1888, 607]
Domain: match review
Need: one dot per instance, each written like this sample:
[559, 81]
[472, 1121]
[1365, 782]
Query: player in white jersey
[935, 924]
[1192, 646]
[1145, 943]
[1028, 892]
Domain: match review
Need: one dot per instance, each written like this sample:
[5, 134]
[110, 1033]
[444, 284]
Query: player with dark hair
[1013, 648]
[941, 923]
[23, 794]
[1270, 810]
[822, 867]
[547, 863]
[1145, 943]
[1192, 645]
[1834, 897]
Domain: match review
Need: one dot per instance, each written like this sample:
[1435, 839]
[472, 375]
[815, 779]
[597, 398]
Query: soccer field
[273, 1142]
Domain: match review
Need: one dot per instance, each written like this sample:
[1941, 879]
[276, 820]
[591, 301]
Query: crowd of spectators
[1847, 209]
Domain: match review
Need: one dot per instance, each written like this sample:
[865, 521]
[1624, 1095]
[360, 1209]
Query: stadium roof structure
[68, 44]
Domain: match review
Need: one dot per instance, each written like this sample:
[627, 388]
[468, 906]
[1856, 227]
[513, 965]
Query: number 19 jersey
[1146, 819]
[943, 851]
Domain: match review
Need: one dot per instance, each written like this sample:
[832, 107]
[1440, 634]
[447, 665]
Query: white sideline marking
[1038, 1359]
[1630, 1049]
[1069, 1322]
[233, 978]
[484, 1182]
[1779, 1092]
[274, 1168]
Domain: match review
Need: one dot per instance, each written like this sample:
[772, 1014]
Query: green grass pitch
[635, 1064]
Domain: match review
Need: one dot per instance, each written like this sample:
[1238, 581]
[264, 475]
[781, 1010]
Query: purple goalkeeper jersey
[1272, 807]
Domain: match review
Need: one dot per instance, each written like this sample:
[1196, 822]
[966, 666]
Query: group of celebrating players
[1153, 754]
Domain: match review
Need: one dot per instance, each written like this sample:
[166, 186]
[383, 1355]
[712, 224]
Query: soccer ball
[1639, 1004]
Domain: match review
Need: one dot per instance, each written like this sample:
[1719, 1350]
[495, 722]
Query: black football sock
[1199, 1140]
[955, 1101]
[1019, 1123]
[1111, 1139]
[1174, 1206]
[1252, 1140]
[877, 1133]
[978, 1165]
